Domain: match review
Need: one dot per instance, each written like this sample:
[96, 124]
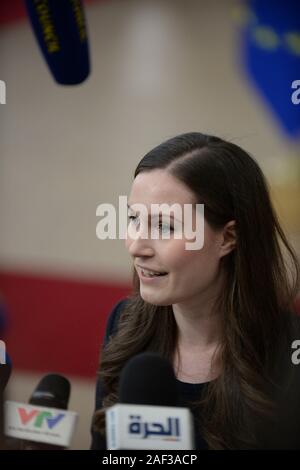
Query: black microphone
[148, 379]
[52, 391]
[5, 371]
[44, 424]
[148, 415]
[60, 30]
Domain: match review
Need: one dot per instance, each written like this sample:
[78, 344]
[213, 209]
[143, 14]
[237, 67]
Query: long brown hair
[262, 278]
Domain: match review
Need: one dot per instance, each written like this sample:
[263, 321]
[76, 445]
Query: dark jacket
[283, 433]
[187, 392]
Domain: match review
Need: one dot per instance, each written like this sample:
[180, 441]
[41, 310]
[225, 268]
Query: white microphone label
[149, 427]
[39, 423]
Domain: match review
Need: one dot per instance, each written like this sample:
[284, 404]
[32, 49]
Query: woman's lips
[144, 268]
[148, 278]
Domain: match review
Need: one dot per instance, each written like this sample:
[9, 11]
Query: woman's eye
[161, 226]
[132, 218]
[165, 227]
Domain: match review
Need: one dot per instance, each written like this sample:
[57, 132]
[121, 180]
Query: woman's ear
[228, 241]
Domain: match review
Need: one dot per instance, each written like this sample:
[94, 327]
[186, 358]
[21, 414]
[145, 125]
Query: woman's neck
[199, 323]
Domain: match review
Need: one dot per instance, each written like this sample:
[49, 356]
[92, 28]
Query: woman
[224, 314]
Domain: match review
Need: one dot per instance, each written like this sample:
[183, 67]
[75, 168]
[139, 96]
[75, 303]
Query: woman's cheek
[127, 243]
[175, 255]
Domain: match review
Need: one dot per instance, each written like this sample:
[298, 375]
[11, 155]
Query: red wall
[57, 324]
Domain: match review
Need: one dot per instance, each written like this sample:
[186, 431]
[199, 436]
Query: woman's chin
[154, 300]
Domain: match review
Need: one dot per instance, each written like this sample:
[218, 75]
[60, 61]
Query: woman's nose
[139, 247]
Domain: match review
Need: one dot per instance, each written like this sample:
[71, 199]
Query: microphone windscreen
[60, 30]
[52, 391]
[148, 379]
[5, 371]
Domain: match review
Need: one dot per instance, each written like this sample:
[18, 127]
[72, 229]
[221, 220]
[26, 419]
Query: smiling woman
[223, 315]
[172, 256]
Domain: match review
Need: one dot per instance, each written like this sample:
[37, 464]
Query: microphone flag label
[149, 427]
[39, 423]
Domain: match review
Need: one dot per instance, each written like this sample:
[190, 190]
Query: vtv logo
[39, 417]
[2, 92]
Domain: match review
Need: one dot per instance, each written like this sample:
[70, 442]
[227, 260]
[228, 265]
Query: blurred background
[158, 68]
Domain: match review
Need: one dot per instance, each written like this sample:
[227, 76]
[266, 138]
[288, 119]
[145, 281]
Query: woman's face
[191, 274]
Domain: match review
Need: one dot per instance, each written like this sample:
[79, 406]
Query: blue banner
[271, 55]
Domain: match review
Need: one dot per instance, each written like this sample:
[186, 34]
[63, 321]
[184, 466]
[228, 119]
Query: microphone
[52, 391]
[5, 371]
[60, 30]
[44, 424]
[147, 416]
